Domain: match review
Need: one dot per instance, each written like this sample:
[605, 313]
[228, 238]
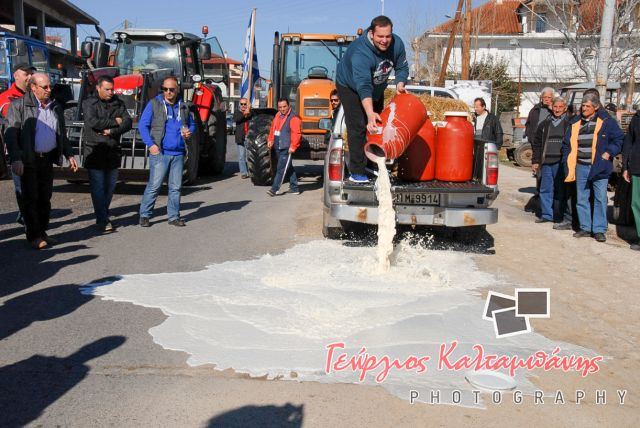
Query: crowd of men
[35, 136]
[573, 161]
[572, 153]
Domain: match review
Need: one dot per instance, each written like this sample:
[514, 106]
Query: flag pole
[250, 65]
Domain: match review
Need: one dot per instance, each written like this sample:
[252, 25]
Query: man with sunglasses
[242, 117]
[165, 125]
[334, 98]
[105, 120]
[36, 139]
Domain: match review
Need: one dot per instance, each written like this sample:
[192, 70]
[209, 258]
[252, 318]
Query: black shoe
[178, 222]
[600, 237]
[635, 247]
[271, 193]
[49, 240]
[144, 222]
[582, 234]
[562, 226]
[542, 220]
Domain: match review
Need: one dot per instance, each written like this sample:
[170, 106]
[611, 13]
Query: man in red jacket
[285, 134]
[21, 75]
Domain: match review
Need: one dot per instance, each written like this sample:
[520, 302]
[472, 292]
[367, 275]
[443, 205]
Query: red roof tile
[493, 17]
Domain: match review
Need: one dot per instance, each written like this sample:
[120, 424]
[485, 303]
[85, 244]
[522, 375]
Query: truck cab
[463, 206]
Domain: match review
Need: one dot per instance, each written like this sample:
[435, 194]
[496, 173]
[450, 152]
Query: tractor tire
[216, 134]
[192, 158]
[259, 157]
[523, 154]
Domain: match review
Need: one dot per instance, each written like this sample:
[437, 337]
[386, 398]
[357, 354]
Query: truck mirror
[204, 51]
[86, 49]
[325, 124]
[12, 47]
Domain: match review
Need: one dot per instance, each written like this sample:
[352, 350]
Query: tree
[505, 90]
[579, 24]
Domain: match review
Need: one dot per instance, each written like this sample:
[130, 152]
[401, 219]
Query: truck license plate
[416, 198]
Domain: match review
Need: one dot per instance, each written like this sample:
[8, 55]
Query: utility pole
[382, 1]
[126, 24]
[466, 41]
[452, 37]
[606, 33]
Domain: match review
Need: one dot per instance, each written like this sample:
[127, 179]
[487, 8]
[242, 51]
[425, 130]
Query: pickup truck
[464, 206]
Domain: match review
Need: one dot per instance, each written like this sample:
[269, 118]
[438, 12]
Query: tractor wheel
[216, 147]
[192, 158]
[261, 166]
[523, 155]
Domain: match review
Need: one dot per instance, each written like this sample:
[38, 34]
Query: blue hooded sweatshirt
[172, 142]
[365, 69]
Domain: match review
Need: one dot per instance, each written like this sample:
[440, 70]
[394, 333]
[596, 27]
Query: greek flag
[250, 71]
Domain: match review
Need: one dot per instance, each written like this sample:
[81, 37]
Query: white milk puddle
[275, 315]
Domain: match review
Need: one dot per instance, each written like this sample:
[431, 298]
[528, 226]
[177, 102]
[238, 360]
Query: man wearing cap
[21, 74]
[36, 139]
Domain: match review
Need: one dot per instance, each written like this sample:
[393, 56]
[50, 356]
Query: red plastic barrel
[401, 121]
[418, 162]
[454, 148]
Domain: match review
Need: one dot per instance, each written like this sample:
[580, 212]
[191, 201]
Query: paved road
[74, 360]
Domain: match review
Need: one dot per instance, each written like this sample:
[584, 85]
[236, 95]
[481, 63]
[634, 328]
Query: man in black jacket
[36, 139]
[242, 117]
[486, 124]
[105, 120]
[546, 163]
[631, 170]
[539, 113]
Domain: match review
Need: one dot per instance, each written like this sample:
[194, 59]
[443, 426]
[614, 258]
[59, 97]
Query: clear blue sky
[228, 19]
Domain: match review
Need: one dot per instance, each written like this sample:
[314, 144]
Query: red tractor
[141, 60]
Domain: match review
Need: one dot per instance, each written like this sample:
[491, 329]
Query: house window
[541, 23]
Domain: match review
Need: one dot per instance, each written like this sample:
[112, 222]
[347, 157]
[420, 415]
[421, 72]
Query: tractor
[142, 58]
[304, 71]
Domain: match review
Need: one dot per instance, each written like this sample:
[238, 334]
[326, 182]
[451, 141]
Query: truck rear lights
[335, 165]
[492, 169]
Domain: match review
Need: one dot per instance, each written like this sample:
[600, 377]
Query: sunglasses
[335, 101]
[243, 104]
[169, 89]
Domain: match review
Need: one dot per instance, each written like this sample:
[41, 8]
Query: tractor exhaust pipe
[275, 71]
[103, 37]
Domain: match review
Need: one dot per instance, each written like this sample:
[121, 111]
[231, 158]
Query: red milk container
[418, 162]
[401, 121]
[454, 148]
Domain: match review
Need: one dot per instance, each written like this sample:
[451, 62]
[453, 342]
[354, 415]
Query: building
[218, 68]
[545, 42]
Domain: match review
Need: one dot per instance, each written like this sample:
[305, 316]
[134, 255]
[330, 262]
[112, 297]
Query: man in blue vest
[164, 126]
[361, 80]
[284, 136]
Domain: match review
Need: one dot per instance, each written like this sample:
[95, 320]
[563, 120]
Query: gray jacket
[21, 130]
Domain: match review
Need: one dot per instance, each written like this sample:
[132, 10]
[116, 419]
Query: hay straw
[437, 106]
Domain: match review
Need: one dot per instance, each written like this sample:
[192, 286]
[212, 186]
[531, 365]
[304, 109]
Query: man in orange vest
[284, 135]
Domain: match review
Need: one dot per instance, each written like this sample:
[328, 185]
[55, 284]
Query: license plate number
[414, 198]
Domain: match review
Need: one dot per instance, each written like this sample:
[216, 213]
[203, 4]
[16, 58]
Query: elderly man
[588, 149]
[242, 117]
[36, 139]
[547, 154]
[539, 113]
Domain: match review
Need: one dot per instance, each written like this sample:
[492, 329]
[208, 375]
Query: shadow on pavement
[40, 305]
[30, 386]
[531, 190]
[209, 210]
[287, 416]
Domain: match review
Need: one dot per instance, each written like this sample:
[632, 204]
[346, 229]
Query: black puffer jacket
[631, 148]
[103, 151]
[491, 129]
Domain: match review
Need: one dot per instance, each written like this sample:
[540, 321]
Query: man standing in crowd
[631, 171]
[547, 154]
[284, 135]
[539, 113]
[105, 120]
[242, 117]
[588, 149]
[486, 124]
[165, 124]
[361, 80]
[21, 75]
[36, 139]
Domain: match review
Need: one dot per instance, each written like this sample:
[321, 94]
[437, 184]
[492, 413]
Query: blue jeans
[102, 183]
[242, 159]
[552, 192]
[159, 165]
[584, 187]
[283, 155]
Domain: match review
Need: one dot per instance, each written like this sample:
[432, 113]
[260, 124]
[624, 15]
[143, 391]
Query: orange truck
[304, 71]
